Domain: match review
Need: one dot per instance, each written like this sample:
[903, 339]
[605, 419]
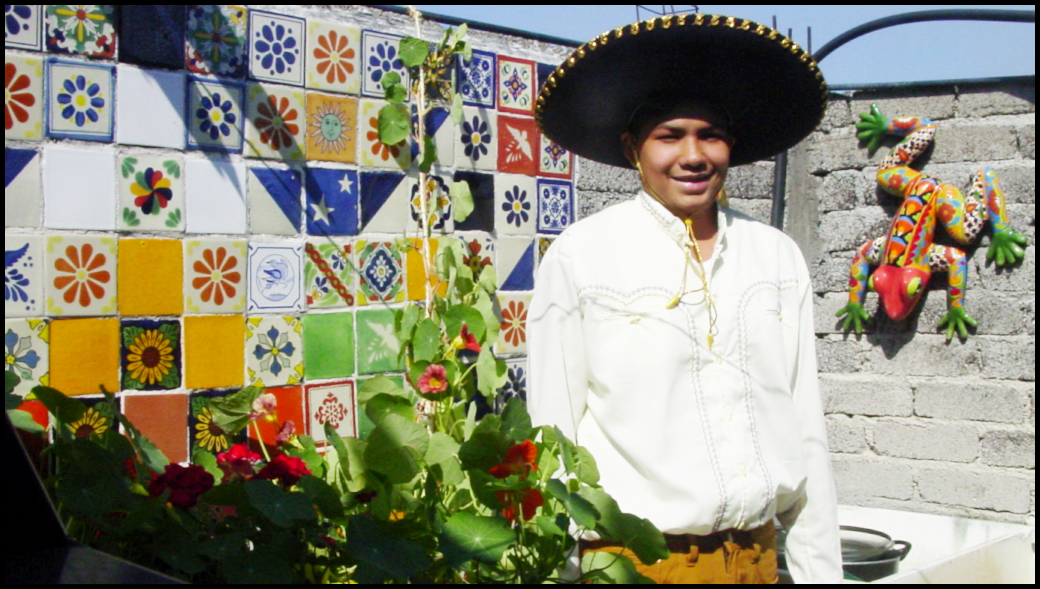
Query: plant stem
[260, 440]
[424, 196]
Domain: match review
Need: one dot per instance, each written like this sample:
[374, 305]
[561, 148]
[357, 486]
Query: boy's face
[684, 157]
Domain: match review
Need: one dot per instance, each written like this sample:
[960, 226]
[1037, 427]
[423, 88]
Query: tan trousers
[726, 557]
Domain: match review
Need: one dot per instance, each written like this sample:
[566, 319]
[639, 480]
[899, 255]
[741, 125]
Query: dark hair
[662, 105]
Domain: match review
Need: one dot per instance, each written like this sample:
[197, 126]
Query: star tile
[332, 201]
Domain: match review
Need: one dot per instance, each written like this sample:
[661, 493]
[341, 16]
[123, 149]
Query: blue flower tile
[516, 385]
[23, 276]
[215, 116]
[80, 97]
[216, 40]
[515, 204]
[380, 55]
[332, 201]
[555, 206]
[477, 79]
[276, 48]
[23, 26]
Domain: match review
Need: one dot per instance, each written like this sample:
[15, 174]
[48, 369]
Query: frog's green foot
[1006, 248]
[872, 128]
[957, 319]
[855, 317]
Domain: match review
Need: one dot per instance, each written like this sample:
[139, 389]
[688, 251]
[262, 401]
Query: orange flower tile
[332, 123]
[84, 355]
[150, 277]
[214, 351]
[163, 419]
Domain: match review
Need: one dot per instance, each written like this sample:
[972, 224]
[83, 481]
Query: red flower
[434, 380]
[519, 460]
[466, 341]
[186, 484]
[529, 503]
[237, 463]
[286, 470]
[265, 407]
[287, 433]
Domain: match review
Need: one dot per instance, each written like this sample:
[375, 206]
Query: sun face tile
[478, 251]
[380, 56]
[515, 263]
[276, 119]
[517, 86]
[162, 419]
[377, 343]
[81, 29]
[215, 115]
[416, 271]
[274, 351]
[80, 275]
[328, 345]
[477, 79]
[205, 435]
[22, 189]
[27, 353]
[515, 204]
[478, 145]
[380, 273]
[438, 217]
[332, 123]
[150, 274]
[150, 110]
[79, 189]
[152, 35]
[214, 357]
[555, 161]
[333, 404]
[275, 278]
[23, 276]
[216, 201]
[151, 193]
[374, 152]
[291, 407]
[333, 57]
[23, 97]
[512, 339]
[332, 201]
[214, 276]
[215, 40]
[274, 201]
[482, 187]
[555, 206]
[329, 275]
[151, 355]
[84, 355]
[384, 202]
[518, 143]
[276, 48]
[80, 100]
[24, 27]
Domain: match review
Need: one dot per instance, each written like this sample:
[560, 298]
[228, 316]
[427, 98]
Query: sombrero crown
[770, 88]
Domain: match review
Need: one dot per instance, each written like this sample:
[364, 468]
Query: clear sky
[915, 52]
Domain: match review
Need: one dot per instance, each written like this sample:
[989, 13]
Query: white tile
[79, 188]
[216, 196]
[515, 204]
[22, 192]
[275, 278]
[150, 109]
[332, 403]
[478, 140]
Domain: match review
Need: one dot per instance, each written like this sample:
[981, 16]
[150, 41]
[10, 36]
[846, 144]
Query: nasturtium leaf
[348, 457]
[605, 568]
[309, 454]
[405, 321]
[467, 537]
[462, 200]
[492, 374]
[393, 91]
[64, 409]
[457, 315]
[488, 279]
[429, 155]
[384, 551]
[23, 420]
[638, 535]
[516, 422]
[456, 111]
[282, 508]
[579, 508]
[487, 310]
[231, 413]
[208, 462]
[483, 450]
[427, 341]
[181, 553]
[226, 496]
[394, 124]
[322, 495]
[414, 51]
[442, 447]
[379, 406]
[379, 385]
[395, 448]
[549, 526]
[224, 546]
[11, 381]
[264, 564]
[585, 466]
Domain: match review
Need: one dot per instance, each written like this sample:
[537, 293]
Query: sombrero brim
[771, 89]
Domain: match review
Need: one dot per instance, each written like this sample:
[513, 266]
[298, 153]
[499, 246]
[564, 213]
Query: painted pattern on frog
[899, 265]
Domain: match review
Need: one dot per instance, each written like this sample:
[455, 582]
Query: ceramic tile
[478, 146]
[84, 355]
[544, 70]
[151, 355]
[439, 126]
[150, 110]
[555, 162]
[416, 272]
[151, 193]
[215, 40]
[329, 275]
[276, 118]
[216, 196]
[377, 344]
[80, 29]
[374, 152]
[482, 187]
[439, 213]
[518, 143]
[515, 200]
[152, 35]
[215, 115]
[478, 250]
[274, 351]
[276, 48]
[274, 201]
[27, 352]
[24, 26]
[99, 417]
[332, 201]
[79, 189]
[334, 404]
[384, 202]
[205, 435]
[333, 57]
[23, 276]
[328, 345]
[555, 206]
[380, 273]
[515, 265]
[163, 419]
[332, 123]
[22, 189]
[275, 278]
[80, 98]
[516, 386]
[477, 79]
[517, 86]
[214, 276]
[80, 275]
[379, 56]
[23, 97]
[290, 407]
[213, 351]
[512, 339]
[150, 275]
[543, 246]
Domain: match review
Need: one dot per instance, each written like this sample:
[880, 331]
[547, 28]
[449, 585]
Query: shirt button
[729, 415]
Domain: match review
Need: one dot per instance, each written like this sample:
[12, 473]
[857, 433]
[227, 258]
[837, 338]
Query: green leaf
[381, 405]
[516, 422]
[456, 111]
[429, 155]
[395, 448]
[467, 537]
[231, 413]
[11, 382]
[492, 374]
[414, 51]
[322, 495]
[172, 168]
[282, 508]
[309, 454]
[208, 462]
[226, 496]
[379, 385]
[180, 552]
[147, 452]
[449, 258]
[579, 508]
[459, 315]
[442, 447]
[638, 535]
[394, 124]
[484, 450]
[23, 420]
[486, 307]
[488, 279]
[585, 466]
[605, 568]
[264, 564]
[383, 551]
[349, 458]
[393, 91]
[130, 218]
[64, 409]
[225, 546]
[427, 341]
[549, 527]
[405, 321]
[461, 200]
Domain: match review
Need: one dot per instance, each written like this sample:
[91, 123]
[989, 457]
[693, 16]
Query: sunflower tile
[374, 152]
[23, 97]
[515, 263]
[331, 128]
[291, 406]
[516, 85]
[99, 417]
[23, 276]
[329, 274]
[384, 199]
[80, 99]
[332, 201]
[275, 122]
[215, 40]
[439, 208]
[275, 278]
[214, 355]
[380, 273]
[333, 57]
[22, 189]
[214, 276]
[216, 200]
[80, 29]
[24, 27]
[377, 345]
[328, 345]
[477, 79]
[274, 351]
[478, 143]
[515, 204]
[150, 274]
[162, 419]
[80, 275]
[518, 144]
[152, 35]
[151, 193]
[79, 189]
[215, 117]
[27, 353]
[150, 110]
[332, 404]
[512, 338]
[380, 56]
[151, 355]
[482, 187]
[274, 201]
[555, 206]
[84, 355]
[204, 433]
[276, 48]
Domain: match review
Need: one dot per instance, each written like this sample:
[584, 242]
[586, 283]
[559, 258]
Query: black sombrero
[771, 89]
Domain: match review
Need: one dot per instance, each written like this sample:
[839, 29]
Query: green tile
[328, 345]
[378, 348]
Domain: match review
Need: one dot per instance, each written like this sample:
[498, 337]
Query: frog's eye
[914, 286]
[870, 282]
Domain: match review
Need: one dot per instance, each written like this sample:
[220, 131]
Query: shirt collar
[675, 228]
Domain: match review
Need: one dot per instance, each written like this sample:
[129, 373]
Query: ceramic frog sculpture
[903, 261]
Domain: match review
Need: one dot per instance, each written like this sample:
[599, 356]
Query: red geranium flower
[237, 463]
[285, 469]
[186, 484]
[434, 380]
[530, 501]
[519, 460]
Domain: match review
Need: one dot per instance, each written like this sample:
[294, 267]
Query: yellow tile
[84, 355]
[214, 351]
[415, 272]
[331, 128]
[151, 277]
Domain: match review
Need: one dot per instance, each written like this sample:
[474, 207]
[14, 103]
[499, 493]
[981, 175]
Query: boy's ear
[629, 144]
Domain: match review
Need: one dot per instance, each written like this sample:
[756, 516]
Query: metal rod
[776, 215]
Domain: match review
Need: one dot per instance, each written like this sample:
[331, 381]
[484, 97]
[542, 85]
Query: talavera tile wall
[196, 200]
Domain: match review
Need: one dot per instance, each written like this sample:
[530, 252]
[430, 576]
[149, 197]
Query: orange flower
[273, 122]
[519, 460]
[15, 101]
[529, 503]
[333, 53]
[84, 280]
[217, 280]
[514, 323]
[379, 148]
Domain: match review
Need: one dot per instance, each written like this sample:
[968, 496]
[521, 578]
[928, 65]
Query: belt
[685, 543]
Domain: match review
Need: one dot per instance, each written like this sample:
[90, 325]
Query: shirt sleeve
[813, 542]
[557, 385]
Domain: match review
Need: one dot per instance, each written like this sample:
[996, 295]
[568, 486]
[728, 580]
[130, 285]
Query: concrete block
[751, 181]
[591, 202]
[848, 230]
[926, 440]
[1009, 358]
[986, 102]
[825, 310]
[867, 395]
[910, 354]
[839, 150]
[840, 354]
[846, 435]
[758, 209]
[1020, 278]
[830, 273]
[603, 178]
[967, 486]
[937, 103]
[1015, 449]
[860, 479]
[975, 143]
[1002, 402]
[1027, 141]
[1017, 177]
[838, 114]
[845, 190]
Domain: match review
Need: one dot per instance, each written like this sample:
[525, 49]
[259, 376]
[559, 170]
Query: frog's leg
[955, 263]
[895, 174]
[869, 254]
[964, 218]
